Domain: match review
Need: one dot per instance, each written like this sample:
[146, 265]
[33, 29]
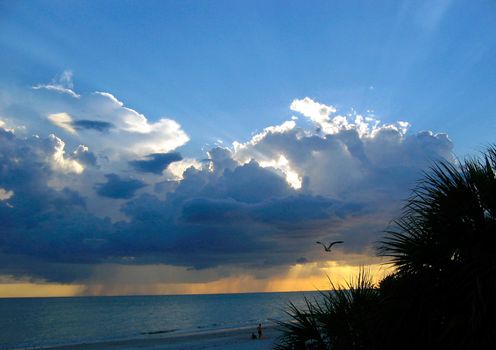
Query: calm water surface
[33, 322]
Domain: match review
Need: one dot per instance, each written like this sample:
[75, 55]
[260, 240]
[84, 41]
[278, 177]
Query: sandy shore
[238, 339]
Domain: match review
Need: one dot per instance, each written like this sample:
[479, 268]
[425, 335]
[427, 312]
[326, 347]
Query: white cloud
[62, 120]
[346, 157]
[317, 112]
[4, 126]
[93, 135]
[59, 161]
[102, 122]
[282, 164]
[276, 129]
[115, 133]
[176, 170]
[56, 88]
[320, 115]
[62, 84]
[5, 194]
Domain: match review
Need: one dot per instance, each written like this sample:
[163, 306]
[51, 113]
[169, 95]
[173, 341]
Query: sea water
[42, 322]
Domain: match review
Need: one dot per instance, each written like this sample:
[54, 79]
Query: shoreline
[222, 339]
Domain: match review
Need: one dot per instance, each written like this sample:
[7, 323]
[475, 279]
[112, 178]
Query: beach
[144, 322]
[227, 339]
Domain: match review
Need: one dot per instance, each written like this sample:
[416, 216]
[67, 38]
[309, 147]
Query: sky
[166, 147]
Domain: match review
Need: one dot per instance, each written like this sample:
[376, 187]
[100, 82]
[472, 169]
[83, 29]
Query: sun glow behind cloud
[300, 277]
[35, 290]
[282, 164]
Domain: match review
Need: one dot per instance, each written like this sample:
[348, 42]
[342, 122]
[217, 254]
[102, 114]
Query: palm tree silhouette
[442, 293]
[443, 248]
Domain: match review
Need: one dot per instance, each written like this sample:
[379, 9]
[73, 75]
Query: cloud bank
[258, 206]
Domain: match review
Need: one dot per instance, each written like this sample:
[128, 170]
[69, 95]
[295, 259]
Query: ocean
[43, 322]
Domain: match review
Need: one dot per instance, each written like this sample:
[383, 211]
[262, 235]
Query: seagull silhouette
[328, 248]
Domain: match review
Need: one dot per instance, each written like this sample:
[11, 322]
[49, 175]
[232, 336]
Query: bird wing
[322, 244]
[335, 242]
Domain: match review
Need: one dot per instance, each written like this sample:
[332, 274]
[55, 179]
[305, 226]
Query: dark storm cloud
[219, 218]
[95, 125]
[283, 210]
[41, 226]
[239, 183]
[118, 188]
[227, 214]
[203, 210]
[296, 208]
[36, 269]
[156, 163]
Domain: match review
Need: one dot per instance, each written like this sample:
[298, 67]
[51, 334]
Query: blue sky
[225, 69]
[131, 131]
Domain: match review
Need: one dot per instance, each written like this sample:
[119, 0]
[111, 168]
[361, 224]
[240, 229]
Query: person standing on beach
[259, 331]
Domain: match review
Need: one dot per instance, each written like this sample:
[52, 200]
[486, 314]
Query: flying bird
[328, 247]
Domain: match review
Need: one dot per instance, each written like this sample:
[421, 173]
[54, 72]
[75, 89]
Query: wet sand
[236, 339]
